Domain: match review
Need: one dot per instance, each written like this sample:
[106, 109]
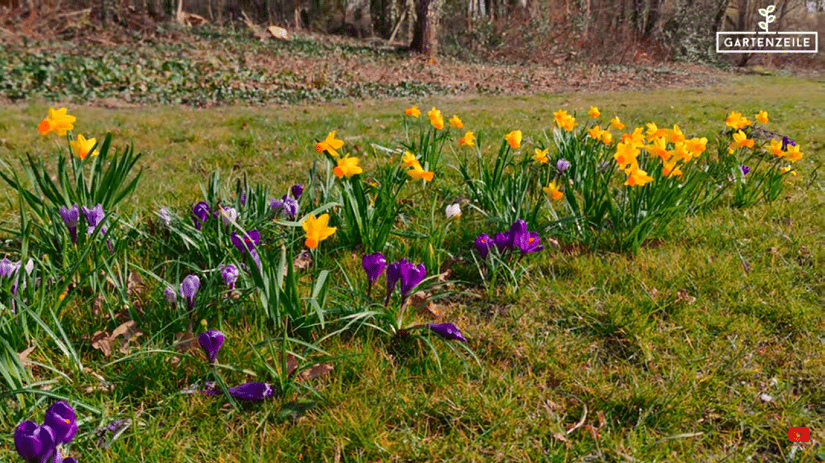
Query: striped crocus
[230, 274]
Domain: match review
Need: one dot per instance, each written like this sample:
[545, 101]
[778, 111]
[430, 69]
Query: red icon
[799, 434]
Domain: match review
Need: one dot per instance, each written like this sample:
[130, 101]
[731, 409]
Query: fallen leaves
[120, 338]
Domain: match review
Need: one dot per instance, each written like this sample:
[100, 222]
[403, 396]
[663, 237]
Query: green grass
[673, 347]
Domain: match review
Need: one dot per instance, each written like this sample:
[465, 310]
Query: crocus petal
[200, 212]
[393, 275]
[189, 288]
[483, 244]
[211, 342]
[374, 265]
[447, 331]
[63, 421]
[252, 391]
[297, 190]
[34, 443]
[411, 276]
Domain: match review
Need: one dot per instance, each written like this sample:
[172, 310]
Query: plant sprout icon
[769, 18]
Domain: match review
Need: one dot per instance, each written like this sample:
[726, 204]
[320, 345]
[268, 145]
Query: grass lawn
[704, 346]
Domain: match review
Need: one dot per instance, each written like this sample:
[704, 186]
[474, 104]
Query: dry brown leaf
[24, 356]
[683, 296]
[278, 32]
[100, 341]
[303, 261]
[563, 438]
[319, 370]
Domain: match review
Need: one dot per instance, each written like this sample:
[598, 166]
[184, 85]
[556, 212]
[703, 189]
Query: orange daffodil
[564, 120]
[736, 121]
[317, 230]
[456, 122]
[330, 145]
[413, 111]
[82, 147]
[467, 140]
[436, 119]
[594, 112]
[541, 156]
[58, 121]
[347, 167]
[740, 140]
[552, 190]
[617, 123]
[514, 139]
[416, 172]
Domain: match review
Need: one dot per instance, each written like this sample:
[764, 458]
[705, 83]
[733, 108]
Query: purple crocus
[200, 212]
[374, 265]
[93, 217]
[242, 199]
[502, 240]
[8, 268]
[393, 275]
[296, 191]
[189, 288]
[277, 205]
[529, 242]
[34, 443]
[562, 165]
[411, 276]
[447, 331]
[247, 242]
[211, 342]
[230, 274]
[247, 391]
[787, 142]
[63, 421]
[170, 295]
[483, 244]
[745, 169]
[70, 217]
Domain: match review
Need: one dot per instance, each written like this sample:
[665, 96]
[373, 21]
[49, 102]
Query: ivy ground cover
[571, 277]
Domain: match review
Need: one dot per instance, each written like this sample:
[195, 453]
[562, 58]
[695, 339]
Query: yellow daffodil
[655, 132]
[740, 140]
[408, 159]
[414, 112]
[514, 139]
[595, 132]
[736, 121]
[347, 167]
[787, 169]
[697, 146]
[616, 123]
[541, 156]
[417, 172]
[793, 153]
[82, 147]
[675, 135]
[636, 138]
[681, 152]
[568, 123]
[552, 190]
[762, 116]
[456, 122]
[58, 121]
[594, 112]
[638, 177]
[607, 137]
[436, 119]
[330, 145]
[467, 140]
[659, 148]
[626, 155]
[776, 148]
[317, 230]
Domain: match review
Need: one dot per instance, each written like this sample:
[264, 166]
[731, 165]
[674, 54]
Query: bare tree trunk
[425, 35]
